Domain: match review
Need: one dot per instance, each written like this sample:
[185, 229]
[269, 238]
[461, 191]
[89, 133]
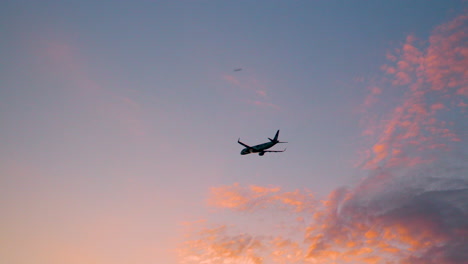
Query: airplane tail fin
[275, 139]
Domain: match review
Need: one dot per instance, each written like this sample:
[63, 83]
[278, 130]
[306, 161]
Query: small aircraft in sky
[238, 69]
[261, 148]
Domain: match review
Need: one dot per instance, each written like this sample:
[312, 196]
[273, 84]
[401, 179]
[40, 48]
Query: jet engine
[261, 153]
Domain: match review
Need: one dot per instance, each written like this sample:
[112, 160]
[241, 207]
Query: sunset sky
[119, 123]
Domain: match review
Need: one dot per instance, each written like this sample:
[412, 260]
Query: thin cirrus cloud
[410, 208]
[59, 56]
[251, 88]
[254, 197]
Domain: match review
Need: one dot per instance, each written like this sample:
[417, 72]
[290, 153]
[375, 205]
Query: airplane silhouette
[261, 149]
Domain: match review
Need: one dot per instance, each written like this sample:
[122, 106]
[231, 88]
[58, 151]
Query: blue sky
[122, 117]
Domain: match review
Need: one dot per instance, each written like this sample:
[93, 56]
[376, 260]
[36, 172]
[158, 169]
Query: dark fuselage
[258, 148]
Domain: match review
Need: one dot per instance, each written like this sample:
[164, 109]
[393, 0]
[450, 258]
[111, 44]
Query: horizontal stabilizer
[275, 150]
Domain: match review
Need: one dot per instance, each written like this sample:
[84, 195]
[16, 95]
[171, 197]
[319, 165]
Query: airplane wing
[275, 150]
[245, 145]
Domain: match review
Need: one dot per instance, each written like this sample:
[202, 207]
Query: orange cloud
[215, 245]
[350, 226]
[255, 197]
[229, 197]
[263, 190]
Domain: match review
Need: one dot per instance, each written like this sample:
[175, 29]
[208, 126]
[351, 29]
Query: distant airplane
[261, 148]
[238, 69]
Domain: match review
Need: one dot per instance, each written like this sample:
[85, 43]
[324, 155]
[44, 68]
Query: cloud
[251, 88]
[418, 218]
[231, 79]
[216, 245]
[372, 98]
[446, 59]
[263, 104]
[238, 198]
[262, 93]
[59, 56]
[410, 207]
[433, 79]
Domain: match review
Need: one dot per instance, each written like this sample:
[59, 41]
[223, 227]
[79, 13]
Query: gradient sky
[119, 123]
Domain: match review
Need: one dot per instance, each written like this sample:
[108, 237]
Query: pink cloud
[402, 78]
[63, 57]
[391, 57]
[436, 72]
[446, 61]
[371, 99]
[403, 66]
[463, 91]
[437, 106]
[376, 90]
[231, 79]
[264, 104]
[251, 88]
[261, 93]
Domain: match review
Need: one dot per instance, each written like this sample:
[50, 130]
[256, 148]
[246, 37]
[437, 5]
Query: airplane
[261, 149]
[238, 69]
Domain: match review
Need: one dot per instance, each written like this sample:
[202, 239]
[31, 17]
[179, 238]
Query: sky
[119, 122]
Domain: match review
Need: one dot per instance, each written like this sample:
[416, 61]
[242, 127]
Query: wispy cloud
[410, 208]
[231, 79]
[254, 90]
[372, 98]
[59, 56]
[255, 197]
[263, 104]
